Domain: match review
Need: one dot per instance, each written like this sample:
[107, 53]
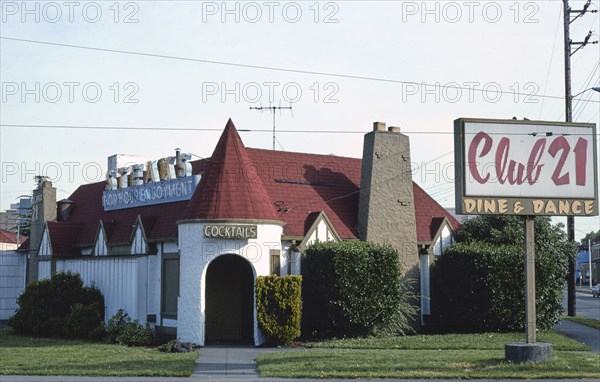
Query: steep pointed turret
[230, 187]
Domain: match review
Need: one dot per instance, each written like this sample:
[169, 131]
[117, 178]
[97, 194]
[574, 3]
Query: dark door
[229, 300]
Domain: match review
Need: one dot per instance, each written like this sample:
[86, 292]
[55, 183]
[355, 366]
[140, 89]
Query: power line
[551, 58]
[453, 86]
[100, 127]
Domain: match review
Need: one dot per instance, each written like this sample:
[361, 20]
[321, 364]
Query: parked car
[596, 291]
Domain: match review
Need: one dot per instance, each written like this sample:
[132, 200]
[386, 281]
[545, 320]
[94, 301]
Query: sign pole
[530, 279]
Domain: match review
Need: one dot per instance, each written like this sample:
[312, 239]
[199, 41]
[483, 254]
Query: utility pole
[272, 109]
[590, 260]
[569, 118]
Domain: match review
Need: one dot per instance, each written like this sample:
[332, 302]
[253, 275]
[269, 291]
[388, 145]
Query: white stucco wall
[196, 253]
[12, 281]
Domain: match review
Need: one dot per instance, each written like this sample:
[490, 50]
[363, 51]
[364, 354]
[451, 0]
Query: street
[586, 305]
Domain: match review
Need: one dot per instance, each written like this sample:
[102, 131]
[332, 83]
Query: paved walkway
[218, 361]
[581, 333]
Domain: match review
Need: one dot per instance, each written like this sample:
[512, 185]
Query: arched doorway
[229, 293]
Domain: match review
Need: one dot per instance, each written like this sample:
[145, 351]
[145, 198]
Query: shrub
[353, 288]
[174, 346]
[124, 331]
[278, 306]
[83, 321]
[45, 304]
[478, 285]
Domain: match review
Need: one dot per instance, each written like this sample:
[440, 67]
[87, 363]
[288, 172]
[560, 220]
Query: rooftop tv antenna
[273, 109]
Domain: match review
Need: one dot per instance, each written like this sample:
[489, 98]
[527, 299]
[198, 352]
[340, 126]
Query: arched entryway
[229, 300]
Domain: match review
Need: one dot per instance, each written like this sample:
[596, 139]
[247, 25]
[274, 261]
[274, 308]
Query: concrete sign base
[524, 352]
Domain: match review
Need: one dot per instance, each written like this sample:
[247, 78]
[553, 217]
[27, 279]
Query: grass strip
[23, 355]
[479, 341]
[378, 363]
[584, 321]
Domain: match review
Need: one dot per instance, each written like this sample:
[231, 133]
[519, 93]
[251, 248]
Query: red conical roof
[230, 187]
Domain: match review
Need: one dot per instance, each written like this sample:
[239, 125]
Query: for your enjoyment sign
[150, 193]
[160, 181]
[525, 167]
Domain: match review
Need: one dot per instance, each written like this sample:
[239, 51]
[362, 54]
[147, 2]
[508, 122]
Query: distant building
[12, 273]
[179, 244]
[17, 214]
[584, 265]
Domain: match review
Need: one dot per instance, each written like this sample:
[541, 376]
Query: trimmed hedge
[479, 285]
[279, 307]
[46, 304]
[354, 288]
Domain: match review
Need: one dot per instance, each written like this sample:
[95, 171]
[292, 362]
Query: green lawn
[446, 356]
[48, 356]
[481, 341]
[584, 321]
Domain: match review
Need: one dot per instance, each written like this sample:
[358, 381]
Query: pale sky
[177, 70]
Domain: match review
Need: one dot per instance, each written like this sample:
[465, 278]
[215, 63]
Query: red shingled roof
[10, 237]
[63, 238]
[24, 246]
[230, 188]
[246, 183]
[429, 215]
[300, 184]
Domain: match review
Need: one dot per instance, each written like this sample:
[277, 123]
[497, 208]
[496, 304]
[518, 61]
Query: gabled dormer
[319, 229]
[139, 242]
[443, 236]
[45, 248]
[101, 241]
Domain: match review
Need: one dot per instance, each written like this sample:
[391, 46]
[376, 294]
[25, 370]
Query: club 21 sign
[525, 167]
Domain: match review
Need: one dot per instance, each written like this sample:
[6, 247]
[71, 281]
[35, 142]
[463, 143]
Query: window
[275, 261]
[169, 285]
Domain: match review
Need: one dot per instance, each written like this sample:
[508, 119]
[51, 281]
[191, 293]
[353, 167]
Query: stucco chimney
[43, 209]
[386, 211]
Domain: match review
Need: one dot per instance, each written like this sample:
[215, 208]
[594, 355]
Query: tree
[592, 236]
[478, 284]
